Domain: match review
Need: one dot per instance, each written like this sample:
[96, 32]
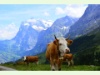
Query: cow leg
[59, 65]
[72, 62]
[69, 62]
[52, 65]
[27, 63]
[56, 66]
[37, 62]
[59, 69]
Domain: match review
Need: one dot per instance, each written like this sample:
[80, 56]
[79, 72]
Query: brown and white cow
[31, 59]
[56, 50]
[68, 58]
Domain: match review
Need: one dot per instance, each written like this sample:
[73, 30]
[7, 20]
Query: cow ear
[48, 44]
[55, 42]
[69, 42]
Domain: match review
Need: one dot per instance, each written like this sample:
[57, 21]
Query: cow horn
[55, 37]
[68, 37]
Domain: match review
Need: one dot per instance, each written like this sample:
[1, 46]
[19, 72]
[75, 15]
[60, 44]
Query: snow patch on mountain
[47, 23]
[65, 27]
[38, 28]
[38, 24]
[26, 24]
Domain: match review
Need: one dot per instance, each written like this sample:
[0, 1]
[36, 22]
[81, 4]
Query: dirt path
[3, 68]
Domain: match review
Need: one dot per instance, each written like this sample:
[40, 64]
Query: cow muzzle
[67, 50]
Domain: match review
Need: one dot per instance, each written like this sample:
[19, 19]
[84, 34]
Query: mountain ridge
[88, 22]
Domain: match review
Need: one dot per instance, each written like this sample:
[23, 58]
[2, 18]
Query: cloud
[32, 20]
[8, 32]
[75, 10]
[46, 14]
[59, 10]
[72, 10]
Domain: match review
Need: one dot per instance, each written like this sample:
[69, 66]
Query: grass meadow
[46, 67]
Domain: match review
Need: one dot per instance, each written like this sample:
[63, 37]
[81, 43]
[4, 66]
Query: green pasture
[46, 67]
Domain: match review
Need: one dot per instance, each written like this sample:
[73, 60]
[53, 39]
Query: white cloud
[8, 32]
[75, 10]
[59, 11]
[46, 14]
[32, 20]
[72, 10]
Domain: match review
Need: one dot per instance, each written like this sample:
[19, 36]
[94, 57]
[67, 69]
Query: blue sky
[12, 15]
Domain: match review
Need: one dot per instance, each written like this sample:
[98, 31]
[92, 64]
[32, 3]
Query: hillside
[86, 35]
[7, 52]
[87, 48]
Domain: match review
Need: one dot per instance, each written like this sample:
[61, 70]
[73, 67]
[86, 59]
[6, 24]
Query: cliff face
[87, 23]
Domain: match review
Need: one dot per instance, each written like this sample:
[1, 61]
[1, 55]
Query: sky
[12, 15]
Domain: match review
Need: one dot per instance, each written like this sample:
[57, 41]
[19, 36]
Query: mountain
[26, 37]
[7, 52]
[86, 35]
[87, 23]
[60, 27]
[28, 33]
[86, 38]
[24, 40]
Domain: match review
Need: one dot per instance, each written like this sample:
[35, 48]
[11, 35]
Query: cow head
[62, 45]
[24, 58]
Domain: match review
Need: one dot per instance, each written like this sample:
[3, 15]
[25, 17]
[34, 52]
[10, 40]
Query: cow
[68, 58]
[56, 50]
[31, 59]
